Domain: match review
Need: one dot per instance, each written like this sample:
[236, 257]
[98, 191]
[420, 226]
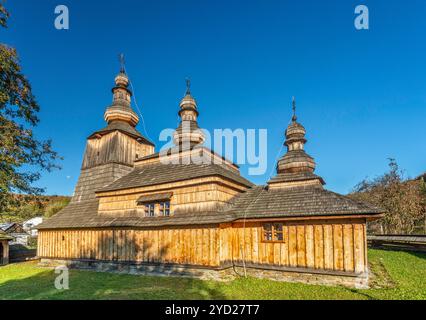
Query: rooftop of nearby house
[7, 226]
[4, 236]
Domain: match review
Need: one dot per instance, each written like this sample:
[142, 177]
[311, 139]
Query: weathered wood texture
[191, 246]
[327, 244]
[114, 147]
[4, 252]
[197, 195]
[322, 245]
[97, 177]
[105, 160]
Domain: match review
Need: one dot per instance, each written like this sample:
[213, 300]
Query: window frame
[163, 207]
[273, 232]
[147, 208]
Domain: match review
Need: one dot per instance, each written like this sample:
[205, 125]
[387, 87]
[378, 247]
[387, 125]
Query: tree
[402, 199]
[22, 156]
[55, 206]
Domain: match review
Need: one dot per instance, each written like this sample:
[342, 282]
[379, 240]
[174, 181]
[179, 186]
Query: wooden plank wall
[200, 195]
[322, 245]
[327, 245]
[192, 246]
[114, 147]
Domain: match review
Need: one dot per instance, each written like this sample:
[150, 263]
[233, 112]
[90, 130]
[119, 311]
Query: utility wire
[137, 107]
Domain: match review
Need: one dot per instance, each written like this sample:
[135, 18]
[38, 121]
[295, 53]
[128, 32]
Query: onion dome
[188, 130]
[120, 110]
[296, 164]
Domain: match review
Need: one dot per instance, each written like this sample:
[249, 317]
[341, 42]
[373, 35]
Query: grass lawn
[399, 275]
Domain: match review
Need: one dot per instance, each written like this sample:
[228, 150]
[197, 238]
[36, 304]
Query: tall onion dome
[296, 167]
[188, 132]
[120, 110]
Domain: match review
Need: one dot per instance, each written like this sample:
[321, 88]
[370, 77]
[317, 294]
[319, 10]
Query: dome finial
[294, 109]
[188, 86]
[122, 67]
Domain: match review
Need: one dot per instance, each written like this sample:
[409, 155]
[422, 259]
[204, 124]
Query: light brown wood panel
[310, 246]
[338, 247]
[318, 244]
[348, 247]
[328, 247]
[301, 246]
[292, 233]
[359, 248]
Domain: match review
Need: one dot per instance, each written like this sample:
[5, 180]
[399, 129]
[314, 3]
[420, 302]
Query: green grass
[399, 275]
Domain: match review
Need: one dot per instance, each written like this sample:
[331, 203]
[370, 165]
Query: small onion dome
[295, 132]
[121, 113]
[188, 103]
[296, 161]
[188, 132]
[121, 80]
[120, 109]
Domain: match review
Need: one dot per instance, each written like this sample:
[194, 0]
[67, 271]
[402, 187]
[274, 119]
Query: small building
[12, 227]
[4, 248]
[17, 233]
[189, 211]
[30, 225]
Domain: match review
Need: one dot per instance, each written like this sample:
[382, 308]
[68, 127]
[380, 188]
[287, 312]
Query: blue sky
[361, 94]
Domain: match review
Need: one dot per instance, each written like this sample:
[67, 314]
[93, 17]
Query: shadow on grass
[421, 255]
[120, 251]
[38, 284]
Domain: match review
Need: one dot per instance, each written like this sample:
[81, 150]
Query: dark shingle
[257, 202]
[260, 202]
[123, 127]
[85, 215]
[159, 173]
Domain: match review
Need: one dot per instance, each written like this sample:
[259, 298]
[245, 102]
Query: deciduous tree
[22, 155]
[403, 200]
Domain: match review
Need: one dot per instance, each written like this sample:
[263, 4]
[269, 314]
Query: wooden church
[133, 212]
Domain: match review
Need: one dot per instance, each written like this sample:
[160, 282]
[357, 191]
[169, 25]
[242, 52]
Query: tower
[111, 151]
[296, 167]
[188, 132]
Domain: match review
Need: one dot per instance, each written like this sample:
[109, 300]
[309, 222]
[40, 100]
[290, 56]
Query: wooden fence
[398, 242]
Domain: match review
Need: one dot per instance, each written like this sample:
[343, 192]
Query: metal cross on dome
[188, 85]
[121, 58]
[294, 109]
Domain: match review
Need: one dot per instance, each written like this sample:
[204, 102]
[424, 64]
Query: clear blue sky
[361, 94]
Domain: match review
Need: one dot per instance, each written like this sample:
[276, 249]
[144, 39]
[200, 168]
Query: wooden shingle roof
[159, 173]
[85, 215]
[255, 203]
[123, 127]
[261, 202]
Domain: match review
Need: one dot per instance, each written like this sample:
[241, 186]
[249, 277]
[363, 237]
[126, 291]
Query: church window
[165, 208]
[149, 209]
[273, 232]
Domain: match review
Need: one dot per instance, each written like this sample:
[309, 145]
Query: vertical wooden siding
[322, 245]
[193, 246]
[330, 245]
